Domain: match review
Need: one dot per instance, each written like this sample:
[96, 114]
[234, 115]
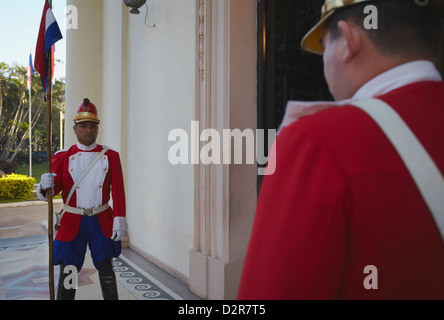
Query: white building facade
[197, 65]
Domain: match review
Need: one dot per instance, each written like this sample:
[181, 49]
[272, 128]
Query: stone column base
[212, 279]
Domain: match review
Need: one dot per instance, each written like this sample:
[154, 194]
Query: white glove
[117, 235]
[119, 228]
[47, 181]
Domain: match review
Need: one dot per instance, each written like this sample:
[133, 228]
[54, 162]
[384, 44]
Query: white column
[114, 72]
[83, 61]
[225, 195]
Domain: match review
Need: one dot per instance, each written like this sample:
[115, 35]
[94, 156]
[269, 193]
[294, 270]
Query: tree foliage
[14, 112]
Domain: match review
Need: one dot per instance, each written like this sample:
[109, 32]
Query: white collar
[86, 148]
[400, 76]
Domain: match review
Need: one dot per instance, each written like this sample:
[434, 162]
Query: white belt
[86, 212]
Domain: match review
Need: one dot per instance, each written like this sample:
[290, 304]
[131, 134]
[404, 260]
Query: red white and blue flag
[49, 34]
[30, 73]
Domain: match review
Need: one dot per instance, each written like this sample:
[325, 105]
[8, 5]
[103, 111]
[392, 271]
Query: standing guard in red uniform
[87, 174]
[342, 216]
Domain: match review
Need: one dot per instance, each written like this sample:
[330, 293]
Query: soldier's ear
[350, 40]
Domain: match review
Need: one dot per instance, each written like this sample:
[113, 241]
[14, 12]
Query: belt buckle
[88, 212]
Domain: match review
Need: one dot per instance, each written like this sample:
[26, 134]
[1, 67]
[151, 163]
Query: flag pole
[49, 170]
[30, 135]
[30, 114]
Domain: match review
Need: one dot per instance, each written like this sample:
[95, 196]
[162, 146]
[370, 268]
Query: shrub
[16, 186]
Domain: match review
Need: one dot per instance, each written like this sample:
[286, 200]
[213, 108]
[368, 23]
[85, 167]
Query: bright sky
[19, 27]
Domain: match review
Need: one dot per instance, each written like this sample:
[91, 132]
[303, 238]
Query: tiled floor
[24, 274]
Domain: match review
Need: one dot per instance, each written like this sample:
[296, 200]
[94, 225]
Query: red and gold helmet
[86, 111]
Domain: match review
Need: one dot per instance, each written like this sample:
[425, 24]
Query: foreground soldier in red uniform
[87, 174]
[342, 217]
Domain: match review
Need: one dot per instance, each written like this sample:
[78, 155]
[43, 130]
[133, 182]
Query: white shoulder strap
[423, 169]
[83, 175]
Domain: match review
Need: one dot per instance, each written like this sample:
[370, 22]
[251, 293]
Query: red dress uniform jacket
[341, 199]
[104, 179]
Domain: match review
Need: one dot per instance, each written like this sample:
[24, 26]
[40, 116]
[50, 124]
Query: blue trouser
[72, 253]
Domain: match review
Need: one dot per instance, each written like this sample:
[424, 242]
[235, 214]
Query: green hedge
[16, 186]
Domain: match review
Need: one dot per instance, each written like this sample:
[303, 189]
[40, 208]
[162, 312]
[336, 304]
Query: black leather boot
[62, 292]
[107, 279]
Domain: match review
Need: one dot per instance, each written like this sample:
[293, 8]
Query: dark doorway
[285, 71]
[441, 51]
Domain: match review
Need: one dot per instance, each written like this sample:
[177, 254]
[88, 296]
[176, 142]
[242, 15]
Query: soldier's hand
[47, 181]
[117, 235]
[119, 227]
